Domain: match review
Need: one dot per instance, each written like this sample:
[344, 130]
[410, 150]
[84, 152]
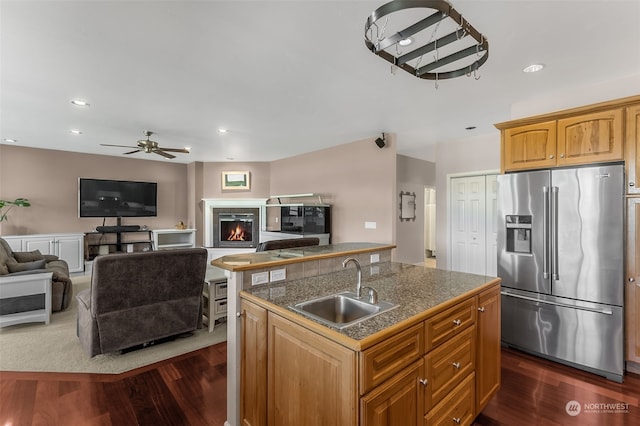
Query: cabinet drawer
[443, 326]
[457, 408]
[220, 307]
[448, 365]
[221, 290]
[387, 358]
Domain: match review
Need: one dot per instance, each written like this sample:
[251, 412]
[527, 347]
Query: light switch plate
[370, 225]
[259, 278]
[278, 275]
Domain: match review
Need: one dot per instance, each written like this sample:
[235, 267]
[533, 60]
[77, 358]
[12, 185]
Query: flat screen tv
[117, 198]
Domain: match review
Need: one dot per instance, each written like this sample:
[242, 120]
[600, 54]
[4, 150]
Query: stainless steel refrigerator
[560, 257]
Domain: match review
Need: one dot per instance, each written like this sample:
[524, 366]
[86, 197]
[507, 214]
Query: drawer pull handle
[456, 420]
[423, 382]
[457, 322]
[481, 309]
[456, 365]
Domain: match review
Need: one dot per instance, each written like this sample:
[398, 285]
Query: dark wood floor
[190, 390]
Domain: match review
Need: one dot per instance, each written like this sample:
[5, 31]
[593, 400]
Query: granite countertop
[415, 289]
[265, 259]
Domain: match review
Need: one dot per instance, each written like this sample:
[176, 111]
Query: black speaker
[380, 142]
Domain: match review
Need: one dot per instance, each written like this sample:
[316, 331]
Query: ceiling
[284, 77]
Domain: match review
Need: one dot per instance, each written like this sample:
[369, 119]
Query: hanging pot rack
[458, 45]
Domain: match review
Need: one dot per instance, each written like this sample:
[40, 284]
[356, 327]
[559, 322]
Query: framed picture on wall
[236, 181]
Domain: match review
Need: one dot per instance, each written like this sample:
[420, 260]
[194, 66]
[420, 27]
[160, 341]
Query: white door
[468, 239]
[491, 186]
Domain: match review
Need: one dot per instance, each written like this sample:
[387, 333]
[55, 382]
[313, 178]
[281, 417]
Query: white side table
[27, 285]
[214, 297]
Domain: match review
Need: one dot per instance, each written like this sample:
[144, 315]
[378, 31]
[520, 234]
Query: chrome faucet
[359, 276]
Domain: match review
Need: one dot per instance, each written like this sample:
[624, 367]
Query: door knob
[456, 420]
[423, 382]
[456, 365]
[631, 279]
[561, 155]
[457, 322]
[632, 184]
[481, 309]
[551, 157]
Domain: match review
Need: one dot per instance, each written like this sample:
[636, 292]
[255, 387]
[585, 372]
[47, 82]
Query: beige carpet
[55, 347]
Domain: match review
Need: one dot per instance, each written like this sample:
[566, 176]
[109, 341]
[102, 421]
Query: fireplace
[236, 227]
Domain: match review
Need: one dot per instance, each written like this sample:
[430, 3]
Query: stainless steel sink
[341, 310]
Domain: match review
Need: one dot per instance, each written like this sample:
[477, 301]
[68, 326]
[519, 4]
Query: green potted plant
[6, 205]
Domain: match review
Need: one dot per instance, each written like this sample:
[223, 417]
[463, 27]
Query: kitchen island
[435, 355]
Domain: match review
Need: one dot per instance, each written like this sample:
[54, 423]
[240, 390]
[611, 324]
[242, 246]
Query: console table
[117, 241]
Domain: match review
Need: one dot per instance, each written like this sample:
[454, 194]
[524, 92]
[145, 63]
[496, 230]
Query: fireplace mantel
[210, 203]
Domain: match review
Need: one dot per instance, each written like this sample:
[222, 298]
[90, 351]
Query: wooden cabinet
[633, 285]
[632, 149]
[458, 408]
[253, 370]
[591, 138]
[397, 402]
[311, 380]
[529, 147]
[488, 347]
[429, 372]
[385, 359]
[581, 139]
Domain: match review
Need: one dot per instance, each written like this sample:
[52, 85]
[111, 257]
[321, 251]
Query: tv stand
[117, 239]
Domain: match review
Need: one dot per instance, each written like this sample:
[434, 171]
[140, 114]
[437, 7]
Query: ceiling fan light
[533, 68]
[76, 131]
[80, 102]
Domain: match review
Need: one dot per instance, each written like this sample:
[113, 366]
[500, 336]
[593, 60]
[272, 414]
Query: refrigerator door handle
[604, 311]
[554, 234]
[545, 232]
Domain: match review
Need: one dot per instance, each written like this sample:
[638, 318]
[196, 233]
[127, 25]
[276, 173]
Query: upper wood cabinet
[582, 139]
[632, 149]
[529, 147]
[599, 133]
[590, 138]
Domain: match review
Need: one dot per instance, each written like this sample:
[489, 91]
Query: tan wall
[49, 179]
[359, 180]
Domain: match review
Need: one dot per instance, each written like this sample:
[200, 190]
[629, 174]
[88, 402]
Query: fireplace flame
[237, 234]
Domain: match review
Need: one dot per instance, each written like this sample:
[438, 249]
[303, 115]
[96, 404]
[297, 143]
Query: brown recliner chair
[139, 298]
[16, 264]
[288, 243]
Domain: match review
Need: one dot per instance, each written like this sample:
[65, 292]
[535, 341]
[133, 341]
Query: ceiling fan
[149, 146]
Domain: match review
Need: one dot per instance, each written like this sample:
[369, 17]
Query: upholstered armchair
[25, 269]
[139, 298]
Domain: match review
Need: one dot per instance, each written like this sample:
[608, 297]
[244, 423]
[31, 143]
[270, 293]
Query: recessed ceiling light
[223, 131]
[80, 102]
[405, 41]
[534, 68]
[76, 131]
[10, 140]
[188, 148]
[470, 128]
